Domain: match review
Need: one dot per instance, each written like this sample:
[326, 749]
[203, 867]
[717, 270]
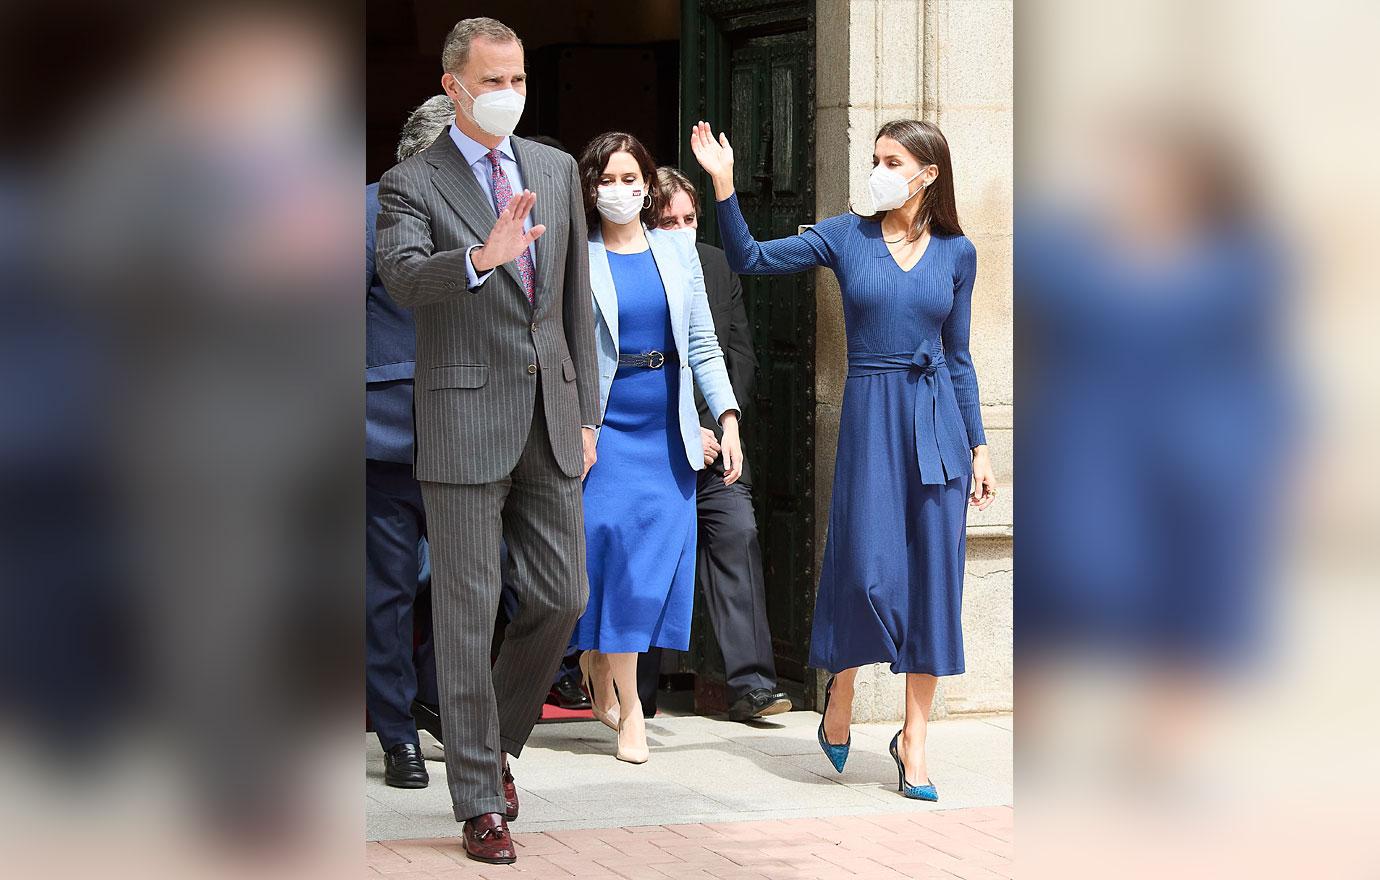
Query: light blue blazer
[692, 327]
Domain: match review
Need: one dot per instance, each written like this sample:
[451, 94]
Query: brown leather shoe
[487, 840]
[510, 800]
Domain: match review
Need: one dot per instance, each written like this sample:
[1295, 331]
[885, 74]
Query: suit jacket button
[531, 369]
[534, 328]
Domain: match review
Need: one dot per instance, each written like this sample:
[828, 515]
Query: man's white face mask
[495, 112]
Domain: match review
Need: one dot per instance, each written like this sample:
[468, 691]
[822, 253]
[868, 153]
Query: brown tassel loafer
[487, 840]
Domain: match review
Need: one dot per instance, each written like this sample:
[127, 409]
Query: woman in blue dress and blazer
[911, 445]
[655, 338]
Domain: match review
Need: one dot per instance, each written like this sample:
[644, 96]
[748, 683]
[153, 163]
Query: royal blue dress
[891, 586]
[640, 495]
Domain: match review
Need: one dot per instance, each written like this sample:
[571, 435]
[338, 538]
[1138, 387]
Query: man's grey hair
[424, 125]
[456, 51]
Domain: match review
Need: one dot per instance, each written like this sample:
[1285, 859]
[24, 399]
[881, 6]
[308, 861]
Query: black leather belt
[652, 359]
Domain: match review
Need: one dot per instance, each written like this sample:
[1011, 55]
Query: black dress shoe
[759, 703]
[403, 766]
[427, 718]
[568, 694]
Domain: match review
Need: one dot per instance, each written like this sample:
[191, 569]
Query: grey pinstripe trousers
[537, 508]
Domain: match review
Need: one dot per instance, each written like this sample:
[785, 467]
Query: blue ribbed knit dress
[639, 497]
[891, 587]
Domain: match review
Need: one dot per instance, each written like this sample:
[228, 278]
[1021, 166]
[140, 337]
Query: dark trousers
[396, 592]
[729, 574]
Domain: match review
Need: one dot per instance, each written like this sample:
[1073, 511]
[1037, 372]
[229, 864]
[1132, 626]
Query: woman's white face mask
[891, 190]
[619, 203]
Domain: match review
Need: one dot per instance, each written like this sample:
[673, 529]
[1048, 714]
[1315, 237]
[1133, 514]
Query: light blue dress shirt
[477, 157]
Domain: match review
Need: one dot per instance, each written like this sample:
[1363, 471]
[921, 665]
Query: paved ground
[974, 843]
[706, 769]
[722, 800]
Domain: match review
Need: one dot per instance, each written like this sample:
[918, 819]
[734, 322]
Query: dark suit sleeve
[742, 360]
[412, 272]
[735, 335]
[579, 307]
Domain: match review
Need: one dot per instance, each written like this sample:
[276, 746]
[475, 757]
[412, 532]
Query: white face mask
[496, 112]
[619, 203]
[889, 189]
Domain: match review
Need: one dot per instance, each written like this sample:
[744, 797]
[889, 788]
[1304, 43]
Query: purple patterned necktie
[503, 193]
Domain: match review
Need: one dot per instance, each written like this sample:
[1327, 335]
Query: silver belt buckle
[655, 359]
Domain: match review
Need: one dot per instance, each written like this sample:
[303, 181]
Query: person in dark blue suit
[400, 680]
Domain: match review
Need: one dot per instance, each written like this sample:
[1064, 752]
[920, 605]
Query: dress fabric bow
[938, 452]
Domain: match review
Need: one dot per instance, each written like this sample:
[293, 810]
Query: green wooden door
[747, 67]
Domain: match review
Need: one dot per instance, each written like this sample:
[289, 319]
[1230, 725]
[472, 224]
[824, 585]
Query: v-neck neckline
[881, 236]
[886, 250]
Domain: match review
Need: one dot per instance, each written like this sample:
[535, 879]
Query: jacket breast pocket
[568, 369]
[458, 376]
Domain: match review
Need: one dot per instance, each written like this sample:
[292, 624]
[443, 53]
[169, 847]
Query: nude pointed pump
[636, 755]
[608, 716]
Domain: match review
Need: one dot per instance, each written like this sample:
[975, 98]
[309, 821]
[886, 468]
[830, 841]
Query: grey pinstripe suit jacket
[475, 390]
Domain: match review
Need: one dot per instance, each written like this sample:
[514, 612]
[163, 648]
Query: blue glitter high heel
[837, 755]
[924, 792]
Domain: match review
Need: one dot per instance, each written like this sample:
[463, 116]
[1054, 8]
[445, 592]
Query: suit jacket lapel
[601, 282]
[537, 175]
[456, 182]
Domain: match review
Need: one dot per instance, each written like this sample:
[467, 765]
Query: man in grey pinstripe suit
[506, 376]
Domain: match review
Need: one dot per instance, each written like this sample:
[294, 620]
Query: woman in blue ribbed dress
[655, 340]
[912, 454]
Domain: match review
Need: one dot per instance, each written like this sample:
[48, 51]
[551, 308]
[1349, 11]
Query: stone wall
[950, 62]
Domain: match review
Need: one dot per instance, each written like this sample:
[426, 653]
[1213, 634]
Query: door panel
[748, 67]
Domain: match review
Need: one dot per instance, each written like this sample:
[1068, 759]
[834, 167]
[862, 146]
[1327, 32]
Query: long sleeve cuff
[474, 278]
[976, 436]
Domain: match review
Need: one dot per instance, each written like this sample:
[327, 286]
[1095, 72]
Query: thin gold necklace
[905, 238]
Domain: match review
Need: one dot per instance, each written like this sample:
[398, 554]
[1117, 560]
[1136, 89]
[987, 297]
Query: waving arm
[745, 253]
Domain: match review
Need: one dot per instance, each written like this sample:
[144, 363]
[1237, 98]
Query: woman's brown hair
[927, 144]
[595, 158]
